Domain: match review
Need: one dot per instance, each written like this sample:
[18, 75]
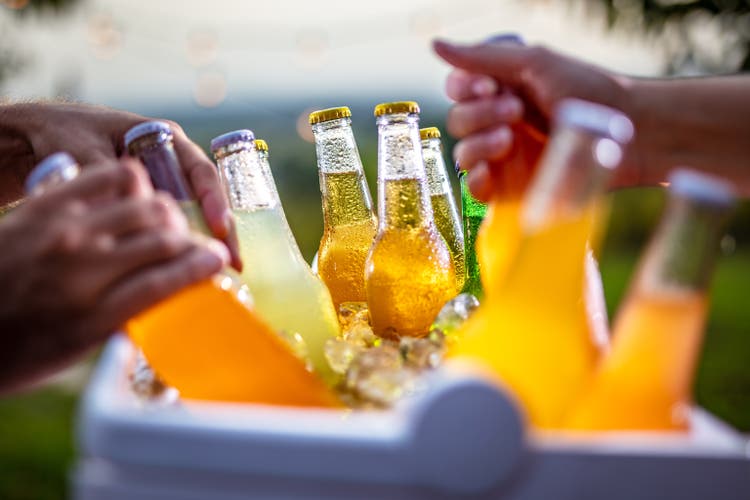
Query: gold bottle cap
[261, 145]
[324, 115]
[388, 108]
[429, 133]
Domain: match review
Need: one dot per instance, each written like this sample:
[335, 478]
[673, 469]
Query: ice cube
[297, 344]
[340, 353]
[423, 353]
[379, 375]
[361, 333]
[144, 381]
[455, 312]
[353, 312]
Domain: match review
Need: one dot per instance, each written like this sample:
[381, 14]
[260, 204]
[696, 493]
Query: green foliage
[732, 17]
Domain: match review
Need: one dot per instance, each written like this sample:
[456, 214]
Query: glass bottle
[442, 201]
[473, 212]
[286, 291]
[206, 340]
[54, 169]
[349, 224]
[646, 380]
[533, 331]
[409, 272]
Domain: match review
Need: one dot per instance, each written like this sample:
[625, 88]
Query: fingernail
[508, 107]
[484, 87]
[500, 136]
[208, 262]
[219, 249]
[226, 221]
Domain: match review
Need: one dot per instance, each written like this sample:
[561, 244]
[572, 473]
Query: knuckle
[176, 128]
[167, 243]
[65, 239]
[154, 286]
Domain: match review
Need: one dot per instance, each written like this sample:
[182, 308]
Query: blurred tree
[701, 36]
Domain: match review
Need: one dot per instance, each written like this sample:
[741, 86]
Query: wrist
[638, 169]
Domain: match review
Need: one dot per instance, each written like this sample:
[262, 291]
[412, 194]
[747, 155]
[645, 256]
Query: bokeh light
[304, 130]
[425, 24]
[15, 4]
[105, 37]
[210, 88]
[202, 47]
[312, 47]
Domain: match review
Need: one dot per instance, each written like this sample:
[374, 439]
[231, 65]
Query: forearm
[701, 123]
[16, 151]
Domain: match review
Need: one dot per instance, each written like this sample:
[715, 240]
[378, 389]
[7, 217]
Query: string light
[304, 130]
[202, 47]
[105, 38]
[15, 4]
[210, 89]
[312, 46]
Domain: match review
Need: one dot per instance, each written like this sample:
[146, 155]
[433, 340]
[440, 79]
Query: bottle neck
[682, 253]
[403, 195]
[346, 197]
[573, 176]
[437, 178]
[160, 159]
[247, 178]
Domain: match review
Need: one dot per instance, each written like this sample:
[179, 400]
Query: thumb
[503, 61]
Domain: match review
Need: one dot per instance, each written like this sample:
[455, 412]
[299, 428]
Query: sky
[142, 54]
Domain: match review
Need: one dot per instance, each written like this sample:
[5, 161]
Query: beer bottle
[349, 224]
[206, 341]
[441, 198]
[473, 212]
[286, 291]
[645, 382]
[534, 331]
[409, 273]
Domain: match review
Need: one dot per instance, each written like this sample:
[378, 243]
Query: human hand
[505, 97]
[93, 134]
[80, 260]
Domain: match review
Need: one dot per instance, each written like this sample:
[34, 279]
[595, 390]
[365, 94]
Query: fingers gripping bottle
[349, 224]
[473, 213]
[645, 383]
[286, 291]
[409, 273]
[441, 198]
[206, 340]
[534, 332]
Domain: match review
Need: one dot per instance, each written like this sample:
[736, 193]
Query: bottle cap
[595, 118]
[324, 115]
[147, 128]
[429, 133]
[389, 108]
[224, 140]
[54, 163]
[261, 145]
[509, 38]
[701, 187]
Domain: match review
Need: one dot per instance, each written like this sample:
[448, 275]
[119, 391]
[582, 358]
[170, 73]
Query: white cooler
[460, 437]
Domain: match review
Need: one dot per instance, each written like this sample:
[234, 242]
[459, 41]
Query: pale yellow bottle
[349, 224]
[443, 203]
[286, 292]
[409, 273]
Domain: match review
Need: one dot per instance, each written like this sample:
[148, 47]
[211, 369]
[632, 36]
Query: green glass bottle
[472, 212]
